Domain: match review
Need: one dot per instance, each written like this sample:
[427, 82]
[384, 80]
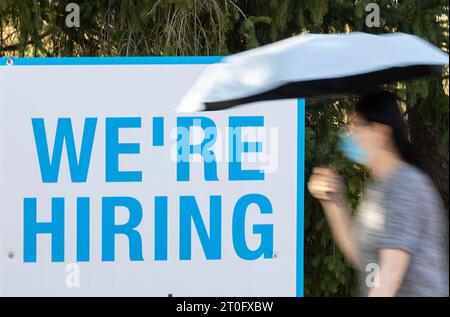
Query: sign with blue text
[107, 191]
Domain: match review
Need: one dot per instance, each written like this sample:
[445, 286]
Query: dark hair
[383, 107]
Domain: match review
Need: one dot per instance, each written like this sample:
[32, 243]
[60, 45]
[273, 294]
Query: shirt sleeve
[405, 218]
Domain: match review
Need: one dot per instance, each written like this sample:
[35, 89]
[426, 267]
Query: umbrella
[313, 65]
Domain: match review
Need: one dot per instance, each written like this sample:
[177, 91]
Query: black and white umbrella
[313, 65]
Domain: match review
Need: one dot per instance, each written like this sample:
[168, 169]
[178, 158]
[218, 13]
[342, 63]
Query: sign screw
[11, 255]
[9, 61]
[275, 255]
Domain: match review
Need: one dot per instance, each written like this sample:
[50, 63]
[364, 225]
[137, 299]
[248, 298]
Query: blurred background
[32, 28]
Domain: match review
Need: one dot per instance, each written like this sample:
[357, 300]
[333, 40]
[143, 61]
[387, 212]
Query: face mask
[350, 147]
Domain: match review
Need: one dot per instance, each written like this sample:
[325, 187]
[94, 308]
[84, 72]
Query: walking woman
[398, 236]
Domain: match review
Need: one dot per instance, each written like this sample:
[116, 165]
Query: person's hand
[326, 185]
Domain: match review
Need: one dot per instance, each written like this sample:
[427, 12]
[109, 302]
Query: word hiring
[189, 212]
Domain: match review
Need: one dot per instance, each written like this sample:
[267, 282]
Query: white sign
[107, 191]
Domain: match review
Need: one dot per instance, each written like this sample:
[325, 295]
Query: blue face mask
[350, 147]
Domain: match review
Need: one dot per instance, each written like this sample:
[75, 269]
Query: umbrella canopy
[313, 65]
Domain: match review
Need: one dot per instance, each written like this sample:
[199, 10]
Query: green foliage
[221, 27]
